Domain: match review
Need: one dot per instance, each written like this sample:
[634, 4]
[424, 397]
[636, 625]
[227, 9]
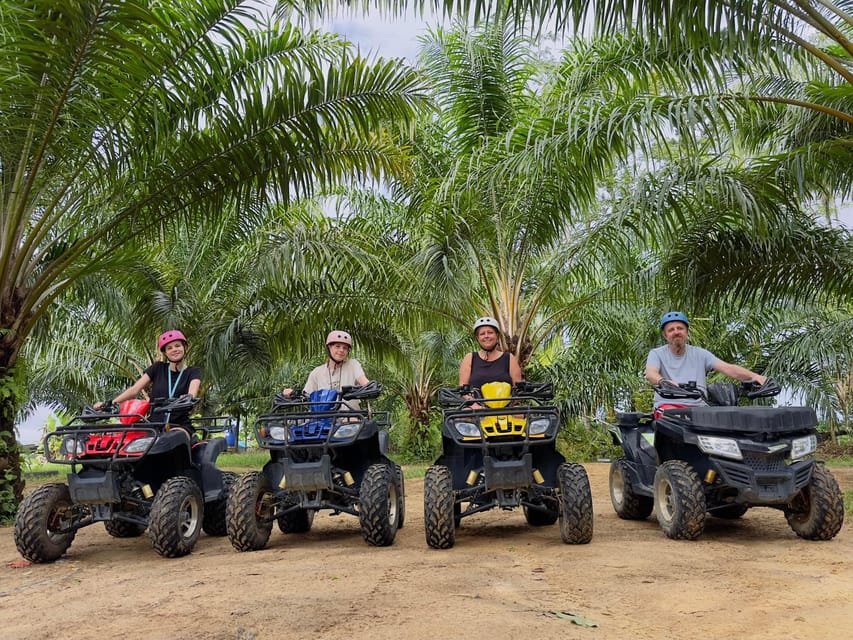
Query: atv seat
[633, 420]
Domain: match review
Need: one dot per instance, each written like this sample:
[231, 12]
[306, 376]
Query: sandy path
[751, 578]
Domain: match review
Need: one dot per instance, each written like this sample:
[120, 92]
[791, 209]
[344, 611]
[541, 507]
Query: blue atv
[325, 453]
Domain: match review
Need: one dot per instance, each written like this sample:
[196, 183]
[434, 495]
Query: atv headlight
[467, 429]
[725, 447]
[539, 426]
[72, 445]
[803, 446]
[278, 433]
[347, 430]
[140, 445]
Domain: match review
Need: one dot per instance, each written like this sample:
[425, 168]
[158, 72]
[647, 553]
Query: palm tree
[491, 233]
[122, 119]
[431, 362]
[783, 69]
[100, 335]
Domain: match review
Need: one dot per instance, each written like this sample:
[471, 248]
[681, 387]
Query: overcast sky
[390, 39]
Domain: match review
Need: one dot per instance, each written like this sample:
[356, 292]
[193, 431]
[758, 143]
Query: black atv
[325, 453]
[131, 471]
[722, 459]
[499, 450]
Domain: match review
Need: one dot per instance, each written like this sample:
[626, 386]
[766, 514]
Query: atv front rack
[100, 445]
[303, 427]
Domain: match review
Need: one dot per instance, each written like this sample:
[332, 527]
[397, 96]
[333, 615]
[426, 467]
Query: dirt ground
[751, 578]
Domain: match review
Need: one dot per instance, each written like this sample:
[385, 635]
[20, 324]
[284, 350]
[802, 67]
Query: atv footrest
[508, 474]
[308, 476]
[97, 489]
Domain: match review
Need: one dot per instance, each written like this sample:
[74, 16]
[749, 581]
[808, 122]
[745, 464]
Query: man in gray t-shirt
[680, 362]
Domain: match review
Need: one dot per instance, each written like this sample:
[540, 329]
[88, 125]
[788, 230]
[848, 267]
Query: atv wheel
[298, 521]
[250, 501]
[214, 523]
[626, 502]
[457, 515]
[123, 529]
[377, 510]
[679, 501]
[439, 508]
[537, 518]
[817, 512]
[43, 514]
[575, 503]
[176, 516]
[730, 512]
[401, 495]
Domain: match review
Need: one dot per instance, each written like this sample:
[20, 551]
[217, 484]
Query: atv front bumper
[763, 480]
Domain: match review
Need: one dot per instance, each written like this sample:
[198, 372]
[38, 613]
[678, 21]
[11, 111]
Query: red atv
[132, 471]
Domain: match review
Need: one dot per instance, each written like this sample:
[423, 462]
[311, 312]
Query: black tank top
[483, 372]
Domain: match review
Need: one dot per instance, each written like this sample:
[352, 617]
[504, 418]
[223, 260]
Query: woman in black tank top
[485, 371]
[489, 364]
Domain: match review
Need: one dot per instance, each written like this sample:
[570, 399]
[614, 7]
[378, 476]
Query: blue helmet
[673, 316]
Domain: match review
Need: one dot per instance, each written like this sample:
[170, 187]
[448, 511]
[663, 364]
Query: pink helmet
[338, 336]
[171, 336]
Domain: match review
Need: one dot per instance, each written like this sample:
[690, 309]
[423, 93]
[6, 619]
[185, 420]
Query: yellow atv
[499, 450]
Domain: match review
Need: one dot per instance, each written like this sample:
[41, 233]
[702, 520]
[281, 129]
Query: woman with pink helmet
[168, 379]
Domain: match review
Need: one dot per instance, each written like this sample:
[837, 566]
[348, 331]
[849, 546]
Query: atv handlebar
[683, 391]
[281, 401]
[367, 391]
[724, 394]
[540, 390]
[109, 410]
[754, 390]
[106, 410]
[454, 396]
[165, 405]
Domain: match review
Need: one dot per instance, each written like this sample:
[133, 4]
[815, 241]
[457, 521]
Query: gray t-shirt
[691, 366]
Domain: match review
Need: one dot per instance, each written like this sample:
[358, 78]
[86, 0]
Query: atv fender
[210, 477]
[207, 451]
[173, 441]
[383, 443]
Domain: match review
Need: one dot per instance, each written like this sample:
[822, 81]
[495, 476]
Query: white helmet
[486, 321]
[338, 336]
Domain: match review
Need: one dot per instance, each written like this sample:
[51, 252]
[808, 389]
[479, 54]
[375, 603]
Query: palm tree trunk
[418, 441]
[11, 479]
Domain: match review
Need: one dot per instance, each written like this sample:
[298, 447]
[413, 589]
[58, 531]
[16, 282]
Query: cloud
[390, 39]
[31, 430]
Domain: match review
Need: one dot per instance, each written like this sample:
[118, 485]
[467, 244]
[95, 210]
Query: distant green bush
[408, 447]
[583, 440]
